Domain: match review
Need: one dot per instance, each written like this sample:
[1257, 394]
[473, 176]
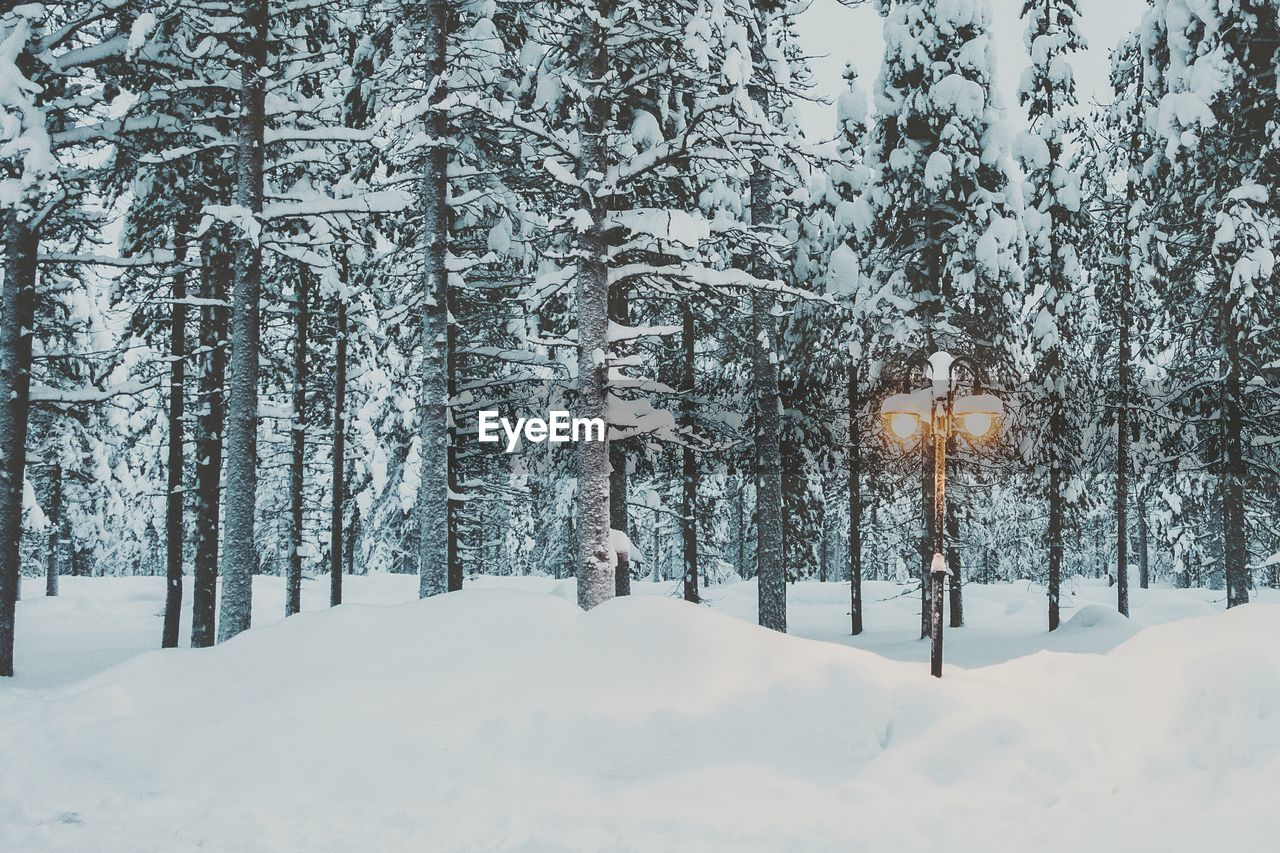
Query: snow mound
[497, 719]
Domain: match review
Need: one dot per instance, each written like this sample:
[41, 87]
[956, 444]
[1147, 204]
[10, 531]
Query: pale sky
[836, 35]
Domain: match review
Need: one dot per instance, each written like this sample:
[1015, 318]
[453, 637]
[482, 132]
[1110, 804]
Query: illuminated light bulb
[978, 424]
[903, 424]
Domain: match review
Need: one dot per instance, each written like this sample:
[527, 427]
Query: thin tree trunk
[595, 574]
[352, 532]
[215, 264]
[175, 493]
[1144, 565]
[53, 555]
[619, 312]
[926, 533]
[433, 407]
[1234, 557]
[239, 551]
[955, 581]
[689, 465]
[17, 319]
[855, 499]
[618, 515]
[298, 455]
[1055, 546]
[339, 449]
[771, 580]
[455, 504]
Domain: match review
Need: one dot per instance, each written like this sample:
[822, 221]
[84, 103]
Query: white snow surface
[504, 718]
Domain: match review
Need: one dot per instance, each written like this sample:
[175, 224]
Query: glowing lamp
[903, 414]
[979, 414]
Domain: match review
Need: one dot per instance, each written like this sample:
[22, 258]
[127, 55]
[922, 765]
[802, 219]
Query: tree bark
[689, 465]
[175, 493]
[771, 580]
[298, 454]
[1234, 556]
[433, 408]
[1144, 556]
[215, 264]
[855, 499]
[339, 448]
[17, 319]
[1054, 537]
[53, 554]
[619, 513]
[239, 547]
[955, 580]
[594, 571]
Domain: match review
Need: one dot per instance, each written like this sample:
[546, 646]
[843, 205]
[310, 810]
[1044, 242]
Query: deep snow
[504, 718]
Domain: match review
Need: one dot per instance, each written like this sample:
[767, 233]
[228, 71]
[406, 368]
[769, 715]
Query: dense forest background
[265, 262]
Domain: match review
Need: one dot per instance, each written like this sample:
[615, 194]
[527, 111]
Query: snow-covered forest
[265, 263]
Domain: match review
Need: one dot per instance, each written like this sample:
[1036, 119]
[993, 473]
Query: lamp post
[935, 413]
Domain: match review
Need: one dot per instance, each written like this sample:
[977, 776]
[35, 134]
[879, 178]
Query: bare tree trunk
[771, 580]
[239, 550]
[339, 448]
[1055, 545]
[53, 554]
[215, 264]
[1234, 556]
[17, 318]
[1144, 565]
[926, 533]
[595, 574]
[689, 465]
[955, 581]
[1122, 464]
[619, 513]
[855, 499]
[433, 437]
[298, 454]
[455, 504]
[175, 494]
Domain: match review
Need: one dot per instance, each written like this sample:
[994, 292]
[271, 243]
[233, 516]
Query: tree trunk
[689, 465]
[771, 580]
[298, 455]
[1234, 556]
[17, 319]
[352, 532]
[1122, 471]
[175, 493]
[339, 447]
[955, 581]
[1055, 546]
[619, 513]
[215, 264]
[926, 533]
[239, 550]
[455, 504]
[595, 574]
[855, 500]
[1144, 565]
[433, 437]
[53, 554]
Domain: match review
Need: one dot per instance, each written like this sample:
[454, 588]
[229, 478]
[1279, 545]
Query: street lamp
[936, 412]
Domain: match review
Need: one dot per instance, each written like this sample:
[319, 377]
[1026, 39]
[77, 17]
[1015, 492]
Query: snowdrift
[494, 719]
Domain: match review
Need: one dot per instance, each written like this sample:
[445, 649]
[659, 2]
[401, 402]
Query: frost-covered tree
[1056, 225]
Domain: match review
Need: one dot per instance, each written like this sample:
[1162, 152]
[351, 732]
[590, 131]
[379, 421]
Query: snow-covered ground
[503, 717]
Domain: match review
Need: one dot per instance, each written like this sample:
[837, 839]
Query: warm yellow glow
[978, 424]
[903, 425]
